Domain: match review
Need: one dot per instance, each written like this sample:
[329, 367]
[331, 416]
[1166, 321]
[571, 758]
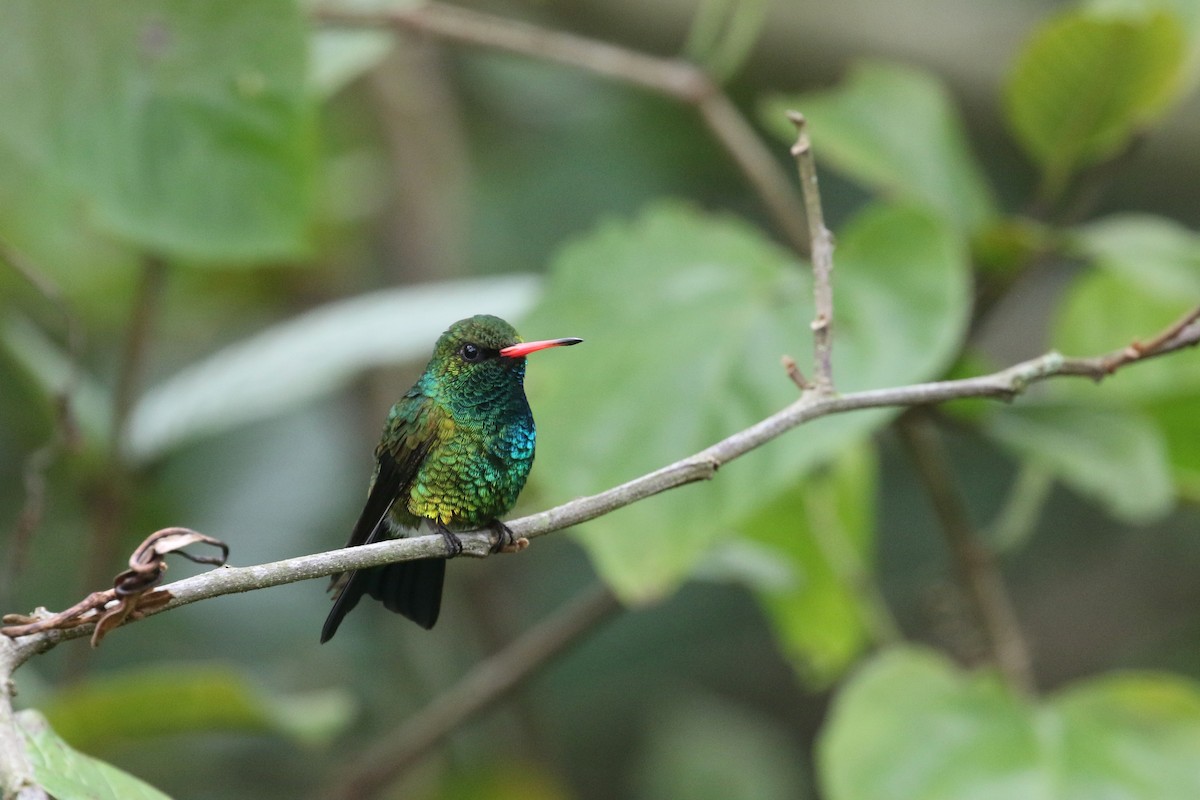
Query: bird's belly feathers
[472, 476]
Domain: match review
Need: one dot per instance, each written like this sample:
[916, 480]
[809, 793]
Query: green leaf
[908, 725]
[166, 700]
[1179, 423]
[1187, 12]
[703, 748]
[895, 129]
[67, 774]
[685, 316]
[823, 531]
[1132, 735]
[911, 725]
[1156, 254]
[1085, 84]
[1116, 457]
[724, 33]
[51, 369]
[339, 56]
[310, 355]
[185, 128]
[902, 298]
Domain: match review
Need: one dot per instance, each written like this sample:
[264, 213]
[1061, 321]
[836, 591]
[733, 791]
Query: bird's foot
[506, 540]
[453, 543]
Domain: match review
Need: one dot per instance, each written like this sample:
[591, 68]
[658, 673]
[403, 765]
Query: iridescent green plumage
[456, 451]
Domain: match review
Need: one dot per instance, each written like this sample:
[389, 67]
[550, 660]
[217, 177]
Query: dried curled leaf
[131, 595]
[146, 565]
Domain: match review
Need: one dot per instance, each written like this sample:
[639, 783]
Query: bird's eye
[471, 352]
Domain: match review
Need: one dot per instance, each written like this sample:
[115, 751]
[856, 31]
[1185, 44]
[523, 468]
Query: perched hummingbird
[456, 451]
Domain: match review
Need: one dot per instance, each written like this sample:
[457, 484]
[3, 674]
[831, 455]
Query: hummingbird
[455, 452]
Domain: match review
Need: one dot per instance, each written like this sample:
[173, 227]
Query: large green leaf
[894, 128]
[310, 355]
[184, 128]
[1116, 457]
[1179, 421]
[685, 316]
[1157, 254]
[823, 532]
[163, 700]
[911, 726]
[1186, 11]
[1085, 84]
[67, 774]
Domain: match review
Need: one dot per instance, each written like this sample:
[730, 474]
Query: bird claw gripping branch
[506, 540]
[132, 594]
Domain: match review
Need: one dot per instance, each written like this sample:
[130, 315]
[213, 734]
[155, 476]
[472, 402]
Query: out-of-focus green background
[252, 240]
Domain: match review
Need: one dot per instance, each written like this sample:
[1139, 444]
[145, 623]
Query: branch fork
[821, 252]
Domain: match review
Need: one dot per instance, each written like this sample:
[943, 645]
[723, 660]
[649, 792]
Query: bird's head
[480, 356]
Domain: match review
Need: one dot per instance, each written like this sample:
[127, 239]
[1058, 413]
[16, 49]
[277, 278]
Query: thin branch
[1005, 384]
[480, 689]
[17, 780]
[1066, 200]
[1182, 333]
[975, 560]
[758, 166]
[674, 78]
[32, 275]
[821, 243]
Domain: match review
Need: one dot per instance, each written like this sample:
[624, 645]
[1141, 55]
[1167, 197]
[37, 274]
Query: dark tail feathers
[411, 588]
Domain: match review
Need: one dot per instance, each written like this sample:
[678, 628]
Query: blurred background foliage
[233, 232]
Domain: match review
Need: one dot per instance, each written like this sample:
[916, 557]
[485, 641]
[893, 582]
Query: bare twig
[793, 371]
[489, 682]
[1005, 385]
[975, 561]
[673, 78]
[1182, 333]
[821, 253]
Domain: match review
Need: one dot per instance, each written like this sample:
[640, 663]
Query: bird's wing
[411, 432]
[413, 428]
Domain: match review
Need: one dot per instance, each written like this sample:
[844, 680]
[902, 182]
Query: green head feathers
[479, 358]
